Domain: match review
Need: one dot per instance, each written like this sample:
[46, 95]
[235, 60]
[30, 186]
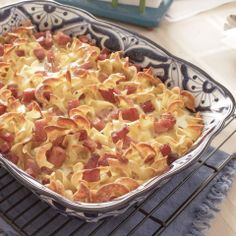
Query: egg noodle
[85, 122]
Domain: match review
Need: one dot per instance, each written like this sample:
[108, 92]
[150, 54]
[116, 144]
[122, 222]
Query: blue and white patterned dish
[213, 100]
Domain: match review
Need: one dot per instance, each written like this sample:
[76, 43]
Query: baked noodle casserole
[86, 122]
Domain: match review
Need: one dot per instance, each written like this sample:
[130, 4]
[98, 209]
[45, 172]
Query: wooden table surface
[199, 39]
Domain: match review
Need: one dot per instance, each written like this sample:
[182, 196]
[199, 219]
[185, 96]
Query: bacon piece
[131, 89]
[1, 85]
[91, 175]
[81, 135]
[147, 107]
[28, 95]
[126, 142]
[92, 161]
[109, 192]
[45, 40]
[90, 144]
[13, 88]
[165, 123]
[1, 50]
[103, 160]
[73, 104]
[62, 39]
[130, 114]
[109, 95]
[40, 134]
[119, 134]
[165, 149]
[57, 156]
[39, 53]
[32, 168]
[20, 53]
[104, 54]
[98, 124]
[2, 109]
[12, 157]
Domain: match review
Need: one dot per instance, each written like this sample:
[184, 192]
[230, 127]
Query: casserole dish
[214, 101]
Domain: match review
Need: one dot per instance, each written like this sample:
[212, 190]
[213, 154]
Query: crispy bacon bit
[39, 133]
[165, 149]
[13, 88]
[91, 175]
[119, 134]
[62, 39]
[130, 114]
[98, 124]
[45, 40]
[90, 144]
[109, 95]
[57, 156]
[73, 104]
[1, 85]
[172, 157]
[2, 109]
[20, 53]
[81, 135]
[32, 168]
[165, 123]
[131, 89]
[39, 53]
[92, 161]
[104, 54]
[147, 107]
[28, 95]
[1, 50]
[12, 157]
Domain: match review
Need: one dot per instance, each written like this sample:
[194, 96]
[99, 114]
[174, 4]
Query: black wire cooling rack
[30, 216]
